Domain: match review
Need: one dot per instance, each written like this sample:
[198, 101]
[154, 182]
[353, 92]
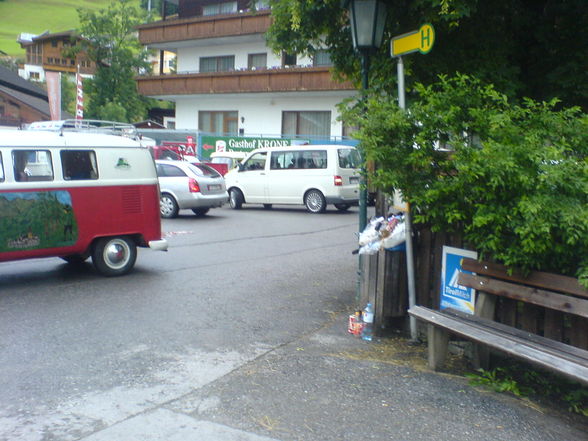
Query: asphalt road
[238, 333]
[80, 352]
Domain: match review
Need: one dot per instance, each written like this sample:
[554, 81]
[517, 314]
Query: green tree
[512, 177]
[68, 94]
[109, 38]
[526, 48]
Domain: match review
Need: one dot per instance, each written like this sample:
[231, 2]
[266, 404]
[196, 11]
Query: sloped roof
[12, 81]
[40, 105]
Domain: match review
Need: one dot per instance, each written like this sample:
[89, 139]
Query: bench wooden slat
[517, 347]
[556, 347]
[559, 302]
[551, 282]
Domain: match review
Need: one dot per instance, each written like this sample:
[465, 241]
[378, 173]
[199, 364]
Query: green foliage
[525, 48]
[68, 94]
[523, 381]
[498, 380]
[110, 41]
[49, 15]
[514, 178]
[112, 111]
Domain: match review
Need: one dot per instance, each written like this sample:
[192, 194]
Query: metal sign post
[416, 41]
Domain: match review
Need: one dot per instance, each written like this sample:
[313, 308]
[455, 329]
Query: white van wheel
[315, 201]
[114, 256]
[235, 199]
[168, 207]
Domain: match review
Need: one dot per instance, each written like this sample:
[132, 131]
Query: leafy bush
[512, 178]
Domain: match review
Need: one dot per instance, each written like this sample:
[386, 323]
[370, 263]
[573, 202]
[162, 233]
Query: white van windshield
[349, 158]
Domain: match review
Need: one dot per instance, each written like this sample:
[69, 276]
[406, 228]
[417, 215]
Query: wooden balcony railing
[247, 81]
[193, 28]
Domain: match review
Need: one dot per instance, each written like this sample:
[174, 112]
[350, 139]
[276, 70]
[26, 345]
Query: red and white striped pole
[79, 95]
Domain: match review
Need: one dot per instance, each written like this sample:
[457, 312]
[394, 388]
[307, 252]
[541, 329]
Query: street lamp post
[368, 18]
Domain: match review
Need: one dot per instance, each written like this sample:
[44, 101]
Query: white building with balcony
[228, 81]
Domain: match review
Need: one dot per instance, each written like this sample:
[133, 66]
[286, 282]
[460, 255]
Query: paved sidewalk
[331, 386]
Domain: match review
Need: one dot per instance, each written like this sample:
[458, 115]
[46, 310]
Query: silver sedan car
[185, 185]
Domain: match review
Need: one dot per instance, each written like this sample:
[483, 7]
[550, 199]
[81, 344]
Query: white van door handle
[262, 174]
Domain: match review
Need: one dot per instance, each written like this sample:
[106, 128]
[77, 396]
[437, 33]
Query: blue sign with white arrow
[453, 295]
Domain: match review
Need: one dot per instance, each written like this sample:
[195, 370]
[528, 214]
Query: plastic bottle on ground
[368, 322]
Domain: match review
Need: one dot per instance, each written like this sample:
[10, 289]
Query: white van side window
[299, 159]
[32, 165]
[256, 161]
[349, 158]
[79, 164]
[1, 168]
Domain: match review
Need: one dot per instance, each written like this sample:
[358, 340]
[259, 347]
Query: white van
[310, 175]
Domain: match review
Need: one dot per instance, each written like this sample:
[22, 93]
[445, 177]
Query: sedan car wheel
[168, 207]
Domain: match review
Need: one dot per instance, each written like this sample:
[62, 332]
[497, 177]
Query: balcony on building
[194, 26]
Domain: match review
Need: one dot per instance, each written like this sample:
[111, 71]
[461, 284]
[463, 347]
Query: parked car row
[309, 175]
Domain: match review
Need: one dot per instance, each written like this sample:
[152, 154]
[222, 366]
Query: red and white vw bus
[75, 195]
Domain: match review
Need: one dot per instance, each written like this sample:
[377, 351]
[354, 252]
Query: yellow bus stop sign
[415, 41]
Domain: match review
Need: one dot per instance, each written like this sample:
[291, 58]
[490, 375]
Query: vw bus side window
[1, 168]
[79, 165]
[32, 165]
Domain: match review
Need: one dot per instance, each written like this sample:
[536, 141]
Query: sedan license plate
[214, 187]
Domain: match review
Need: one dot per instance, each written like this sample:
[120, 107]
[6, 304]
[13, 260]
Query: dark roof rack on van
[88, 126]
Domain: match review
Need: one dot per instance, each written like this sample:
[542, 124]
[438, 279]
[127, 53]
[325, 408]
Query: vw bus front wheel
[114, 256]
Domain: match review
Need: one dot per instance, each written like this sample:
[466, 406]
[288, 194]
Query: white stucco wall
[188, 59]
[262, 114]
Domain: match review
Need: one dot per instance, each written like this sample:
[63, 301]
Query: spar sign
[454, 295]
[212, 144]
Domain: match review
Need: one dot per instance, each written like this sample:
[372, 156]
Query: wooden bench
[541, 319]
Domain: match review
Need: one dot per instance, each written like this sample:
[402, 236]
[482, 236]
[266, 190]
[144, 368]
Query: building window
[306, 123]
[288, 59]
[1, 169]
[34, 54]
[34, 76]
[260, 5]
[218, 122]
[217, 64]
[53, 43]
[322, 58]
[256, 61]
[220, 8]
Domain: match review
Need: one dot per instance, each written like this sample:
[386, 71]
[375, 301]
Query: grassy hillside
[37, 16]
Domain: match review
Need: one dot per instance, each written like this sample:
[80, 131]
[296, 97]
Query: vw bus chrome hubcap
[116, 254]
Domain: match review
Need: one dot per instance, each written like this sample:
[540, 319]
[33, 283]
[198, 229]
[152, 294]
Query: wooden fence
[383, 281]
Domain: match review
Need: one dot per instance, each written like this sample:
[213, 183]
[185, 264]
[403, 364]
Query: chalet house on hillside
[21, 102]
[228, 81]
[45, 52]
